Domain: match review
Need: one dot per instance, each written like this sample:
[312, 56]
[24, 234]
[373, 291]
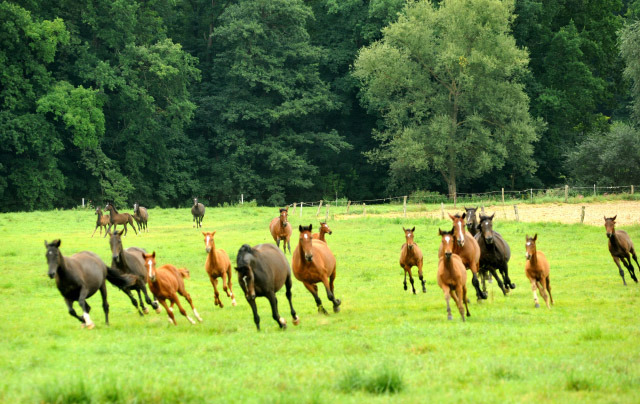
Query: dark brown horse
[280, 230]
[197, 211]
[411, 256]
[217, 266]
[130, 262]
[116, 218]
[472, 221]
[78, 277]
[313, 262]
[324, 229]
[165, 283]
[494, 254]
[141, 216]
[621, 248]
[452, 276]
[102, 221]
[262, 271]
[536, 268]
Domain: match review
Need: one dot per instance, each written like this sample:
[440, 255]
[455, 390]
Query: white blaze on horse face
[461, 231]
[306, 236]
[150, 263]
[207, 242]
[447, 238]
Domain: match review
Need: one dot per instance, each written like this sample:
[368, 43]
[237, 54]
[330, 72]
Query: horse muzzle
[308, 257]
[608, 235]
[52, 274]
[152, 278]
[489, 240]
[461, 243]
[410, 246]
[448, 254]
[208, 249]
[527, 256]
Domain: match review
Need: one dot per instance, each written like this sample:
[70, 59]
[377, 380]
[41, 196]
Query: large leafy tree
[447, 81]
[630, 51]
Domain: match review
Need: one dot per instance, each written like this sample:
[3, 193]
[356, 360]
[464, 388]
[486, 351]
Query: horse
[130, 262]
[452, 275]
[119, 218]
[78, 277]
[411, 256]
[217, 266]
[263, 270]
[621, 248]
[280, 229]
[166, 282]
[324, 229]
[313, 262]
[102, 221]
[467, 248]
[197, 210]
[472, 222]
[536, 268]
[141, 216]
[494, 254]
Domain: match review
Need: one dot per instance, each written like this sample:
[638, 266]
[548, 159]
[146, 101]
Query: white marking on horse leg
[195, 313]
[190, 320]
[87, 321]
[171, 309]
[233, 300]
[283, 321]
[535, 298]
[172, 322]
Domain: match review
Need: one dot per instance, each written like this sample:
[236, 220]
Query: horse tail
[184, 272]
[120, 280]
[131, 222]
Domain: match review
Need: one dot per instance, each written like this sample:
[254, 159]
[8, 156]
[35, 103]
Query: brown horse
[102, 221]
[313, 262]
[536, 268]
[281, 230]
[452, 275]
[166, 282]
[141, 216]
[119, 218]
[411, 256]
[218, 266]
[197, 211]
[324, 229]
[468, 249]
[621, 248]
[472, 220]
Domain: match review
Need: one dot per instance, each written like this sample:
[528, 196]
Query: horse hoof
[158, 310]
[405, 287]
[296, 321]
[321, 310]
[449, 317]
[90, 326]
[537, 306]
[233, 302]
[424, 290]
[513, 286]
[336, 309]
[145, 311]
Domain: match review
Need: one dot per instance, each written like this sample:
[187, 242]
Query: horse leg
[635, 257]
[542, 285]
[169, 311]
[424, 288]
[457, 297]
[133, 300]
[107, 230]
[105, 304]
[405, 277]
[336, 302]
[464, 296]
[476, 285]
[289, 244]
[411, 279]
[549, 288]
[82, 301]
[72, 312]
[447, 295]
[314, 292]
[94, 230]
[174, 300]
[627, 263]
[142, 306]
[500, 284]
[617, 261]
[330, 295]
[216, 295]
[132, 226]
[226, 285]
[505, 276]
[187, 296]
[256, 317]
[534, 289]
[274, 310]
[288, 285]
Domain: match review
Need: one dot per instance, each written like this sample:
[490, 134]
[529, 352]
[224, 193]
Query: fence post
[301, 203]
[83, 202]
[404, 206]
[242, 199]
[348, 205]
[515, 209]
[442, 209]
[582, 215]
[326, 213]
[632, 190]
[364, 209]
[319, 206]
[594, 190]
[566, 193]
[503, 196]
[531, 194]
[455, 199]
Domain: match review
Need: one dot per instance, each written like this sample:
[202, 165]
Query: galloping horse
[452, 276]
[281, 230]
[494, 254]
[78, 277]
[119, 218]
[313, 262]
[411, 256]
[166, 282]
[263, 270]
[102, 221]
[218, 266]
[472, 222]
[324, 229]
[141, 216]
[197, 210]
[536, 268]
[621, 248]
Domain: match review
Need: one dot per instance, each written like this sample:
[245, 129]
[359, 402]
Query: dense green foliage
[163, 100]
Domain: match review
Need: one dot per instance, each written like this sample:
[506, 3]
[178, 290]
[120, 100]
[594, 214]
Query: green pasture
[385, 345]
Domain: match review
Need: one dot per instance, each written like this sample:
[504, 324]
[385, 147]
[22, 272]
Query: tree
[630, 51]
[447, 81]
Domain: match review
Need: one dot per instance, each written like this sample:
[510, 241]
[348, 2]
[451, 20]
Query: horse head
[324, 228]
[447, 242]
[486, 228]
[115, 241]
[150, 262]
[195, 201]
[305, 243]
[471, 219]
[610, 225]
[244, 262]
[284, 215]
[53, 257]
[408, 234]
[209, 244]
[530, 245]
[135, 208]
[458, 228]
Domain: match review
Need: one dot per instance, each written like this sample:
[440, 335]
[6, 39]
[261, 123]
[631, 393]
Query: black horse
[78, 277]
[262, 270]
[130, 262]
[197, 210]
[494, 254]
[472, 222]
[141, 216]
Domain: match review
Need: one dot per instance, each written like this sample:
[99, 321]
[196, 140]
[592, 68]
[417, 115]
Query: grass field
[386, 345]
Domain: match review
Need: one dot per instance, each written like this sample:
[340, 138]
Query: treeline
[160, 101]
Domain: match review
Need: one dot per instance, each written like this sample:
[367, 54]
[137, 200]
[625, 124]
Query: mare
[102, 221]
[536, 268]
[263, 270]
[130, 262]
[78, 277]
[324, 229]
[118, 218]
[411, 256]
[141, 216]
[468, 249]
[494, 254]
[217, 266]
[166, 282]
[472, 220]
[452, 275]
[621, 248]
[313, 262]
[280, 229]
[197, 210]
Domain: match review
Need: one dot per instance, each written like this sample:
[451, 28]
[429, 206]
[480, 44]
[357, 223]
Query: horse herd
[263, 269]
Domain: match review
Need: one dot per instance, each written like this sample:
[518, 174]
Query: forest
[161, 101]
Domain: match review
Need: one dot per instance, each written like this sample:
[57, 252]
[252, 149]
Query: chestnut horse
[218, 266]
[536, 268]
[281, 230]
[141, 216]
[102, 221]
[197, 210]
[411, 256]
[452, 275]
[324, 229]
[166, 282]
[468, 249]
[621, 248]
[119, 218]
[313, 262]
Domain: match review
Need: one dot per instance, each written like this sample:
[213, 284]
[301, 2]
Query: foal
[102, 221]
[165, 282]
[411, 256]
[117, 218]
[621, 247]
[537, 270]
[324, 229]
[218, 266]
[452, 275]
[280, 229]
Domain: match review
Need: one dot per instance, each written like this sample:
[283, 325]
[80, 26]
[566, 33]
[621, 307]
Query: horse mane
[305, 228]
[244, 250]
[283, 209]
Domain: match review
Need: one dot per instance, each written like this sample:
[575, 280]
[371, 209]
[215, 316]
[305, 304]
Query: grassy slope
[585, 348]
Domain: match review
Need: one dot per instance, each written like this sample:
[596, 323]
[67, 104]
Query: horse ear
[413, 230]
[535, 237]
[450, 216]
[403, 229]
[526, 237]
[300, 228]
[154, 254]
[614, 218]
[491, 217]
[439, 232]
[479, 226]
[213, 233]
[56, 242]
[310, 227]
[464, 215]
[204, 234]
[46, 244]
